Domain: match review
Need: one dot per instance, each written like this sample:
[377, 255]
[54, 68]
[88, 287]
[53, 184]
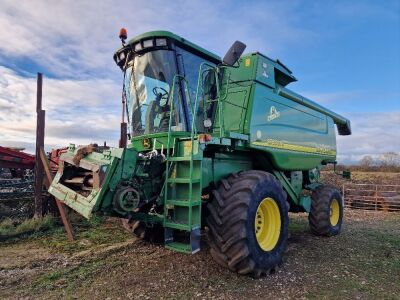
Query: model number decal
[320, 149]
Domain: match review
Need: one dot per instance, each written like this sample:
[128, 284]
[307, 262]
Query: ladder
[182, 206]
[182, 189]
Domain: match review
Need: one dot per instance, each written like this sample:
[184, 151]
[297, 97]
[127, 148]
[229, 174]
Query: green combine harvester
[216, 146]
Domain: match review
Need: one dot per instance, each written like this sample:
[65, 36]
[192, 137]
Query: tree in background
[386, 162]
[390, 159]
[367, 161]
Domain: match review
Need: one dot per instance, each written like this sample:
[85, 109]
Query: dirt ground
[363, 262]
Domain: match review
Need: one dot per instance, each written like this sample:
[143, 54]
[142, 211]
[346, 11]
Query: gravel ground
[363, 262]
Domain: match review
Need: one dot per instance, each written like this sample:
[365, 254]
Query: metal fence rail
[16, 198]
[367, 196]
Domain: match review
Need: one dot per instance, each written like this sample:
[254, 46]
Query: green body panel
[157, 140]
[234, 109]
[305, 203]
[295, 137]
[222, 165]
[257, 67]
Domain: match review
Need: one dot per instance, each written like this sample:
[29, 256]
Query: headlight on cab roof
[148, 43]
[138, 47]
[161, 42]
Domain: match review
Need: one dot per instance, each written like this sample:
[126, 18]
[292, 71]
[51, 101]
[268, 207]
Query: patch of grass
[8, 228]
[38, 224]
[50, 277]
[68, 278]
[95, 220]
[387, 238]
[85, 238]
[80, 221]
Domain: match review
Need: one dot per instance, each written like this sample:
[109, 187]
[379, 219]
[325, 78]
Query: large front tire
[248, 223]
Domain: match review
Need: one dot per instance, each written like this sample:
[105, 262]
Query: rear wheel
[248, 223]
[326, 215]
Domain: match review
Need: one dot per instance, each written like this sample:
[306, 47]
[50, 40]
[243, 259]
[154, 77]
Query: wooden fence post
[67, 225]
[343, 195]
[40, 125]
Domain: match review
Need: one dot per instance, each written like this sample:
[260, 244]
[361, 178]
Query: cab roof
[279, 66]
[177, 38]
[283, 75]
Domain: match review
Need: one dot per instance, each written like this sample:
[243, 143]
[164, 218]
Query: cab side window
[190, 67]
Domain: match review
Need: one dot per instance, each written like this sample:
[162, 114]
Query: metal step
[181, 247]
[181, 226]
[192, 245]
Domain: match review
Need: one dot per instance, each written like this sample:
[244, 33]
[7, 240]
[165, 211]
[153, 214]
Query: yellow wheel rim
[267, 224]
[334, 212]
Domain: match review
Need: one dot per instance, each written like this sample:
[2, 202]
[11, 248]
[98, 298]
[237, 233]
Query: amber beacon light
[123, 35]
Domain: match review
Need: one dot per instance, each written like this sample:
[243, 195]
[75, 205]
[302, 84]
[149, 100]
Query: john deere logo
[273, 114]
[146, 143]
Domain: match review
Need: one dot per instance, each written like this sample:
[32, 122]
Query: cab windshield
[148, 83]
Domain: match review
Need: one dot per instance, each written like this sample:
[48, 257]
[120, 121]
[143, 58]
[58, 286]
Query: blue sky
[345, 54]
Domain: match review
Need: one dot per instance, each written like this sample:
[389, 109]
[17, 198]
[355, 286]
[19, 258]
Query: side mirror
[234, 53]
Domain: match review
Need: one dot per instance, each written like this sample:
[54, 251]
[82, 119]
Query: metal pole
[40, 125]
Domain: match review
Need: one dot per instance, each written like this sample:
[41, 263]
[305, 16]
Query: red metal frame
[14, 159]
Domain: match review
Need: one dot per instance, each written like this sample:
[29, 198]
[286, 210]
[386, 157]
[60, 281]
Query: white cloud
[373, 134]
[79, 111]
[65, 37]
[76, 39]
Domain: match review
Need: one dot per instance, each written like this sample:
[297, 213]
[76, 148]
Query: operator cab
[151, 63]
